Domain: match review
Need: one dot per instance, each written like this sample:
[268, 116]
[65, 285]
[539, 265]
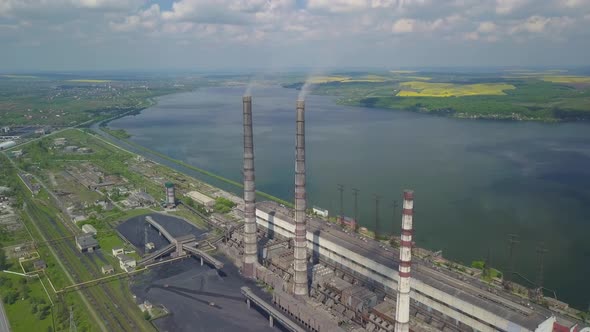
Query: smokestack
[300, 262]
[250, 257]
[402, 312]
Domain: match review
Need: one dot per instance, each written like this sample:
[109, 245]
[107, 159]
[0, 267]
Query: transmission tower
[512, 242]
[73, 327]
[355, 193]
[541, 251]
[377, 230]
[341, 190]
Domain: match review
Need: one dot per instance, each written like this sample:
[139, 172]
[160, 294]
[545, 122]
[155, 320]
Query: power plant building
[456, 299]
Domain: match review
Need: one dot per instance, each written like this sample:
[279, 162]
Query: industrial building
[7, 145]
[127, 263]
[459, 300]
[89, 229]
[86, 243]
[107, 269]
[170, 196]
[201, 198]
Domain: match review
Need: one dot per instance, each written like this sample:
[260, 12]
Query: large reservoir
[475, 182]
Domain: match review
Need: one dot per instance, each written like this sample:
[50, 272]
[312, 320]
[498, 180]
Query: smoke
[250, 86]
[304, 89]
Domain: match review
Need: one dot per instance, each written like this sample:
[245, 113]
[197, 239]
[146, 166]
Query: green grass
[20, 313]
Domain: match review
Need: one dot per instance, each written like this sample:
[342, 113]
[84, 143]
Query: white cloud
[403, 25]
[508, 6]
[539, 24]
[486, 27]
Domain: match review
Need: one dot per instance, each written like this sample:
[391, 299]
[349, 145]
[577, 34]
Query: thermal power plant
[300, 243]
[250, 257]
[360, 281]
[170, 196]
[402, 312]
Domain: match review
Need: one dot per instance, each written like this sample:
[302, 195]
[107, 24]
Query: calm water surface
[475, 182]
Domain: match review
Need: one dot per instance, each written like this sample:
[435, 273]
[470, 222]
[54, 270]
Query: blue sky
[282, 34]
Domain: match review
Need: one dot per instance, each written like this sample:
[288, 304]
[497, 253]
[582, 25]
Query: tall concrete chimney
[402, 312]
[300, 262]
[250, 257]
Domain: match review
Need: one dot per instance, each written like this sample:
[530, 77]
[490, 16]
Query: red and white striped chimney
[402, 312]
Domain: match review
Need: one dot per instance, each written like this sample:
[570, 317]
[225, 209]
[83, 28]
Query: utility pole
[377, 198]
[341, 190]
[541, 250]
[355, 193]
[394, 216]
[512, 242]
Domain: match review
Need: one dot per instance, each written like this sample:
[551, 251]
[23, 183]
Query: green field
[518, 95]
[426, 89]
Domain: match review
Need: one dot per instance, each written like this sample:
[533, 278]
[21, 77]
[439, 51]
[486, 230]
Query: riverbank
[122, 135]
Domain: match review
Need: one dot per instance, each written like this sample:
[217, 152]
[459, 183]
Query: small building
[150, 246]
[89, 229]
[39, 265]
[5, 129]
[17, 153]
[127, 263]
[348, 222]
[86, 243]
[7, 144]
[107, 269]
[201, 198]
[84, 150]
[320, 212]
[60, 141]
[118, 251]
[70, 148]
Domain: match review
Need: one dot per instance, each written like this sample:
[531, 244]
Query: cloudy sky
[280, 34]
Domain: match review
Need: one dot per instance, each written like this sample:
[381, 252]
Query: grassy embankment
[542, 96]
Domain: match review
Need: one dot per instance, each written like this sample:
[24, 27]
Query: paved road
[4, 324]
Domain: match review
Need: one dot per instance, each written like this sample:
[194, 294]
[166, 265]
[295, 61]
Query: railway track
[114, 317]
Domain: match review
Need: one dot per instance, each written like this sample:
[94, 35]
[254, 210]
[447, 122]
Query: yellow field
[402, 71]
[367, 78]
[426, 89]
[346, 79]
[19, 76]
[418, 78]
[567, 79]
[89, 81]
[326, 79]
